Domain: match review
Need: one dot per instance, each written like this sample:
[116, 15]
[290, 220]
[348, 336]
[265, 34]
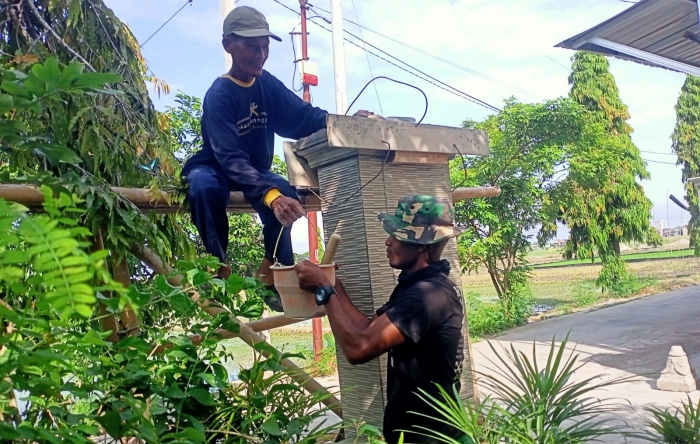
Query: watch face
[320, 296]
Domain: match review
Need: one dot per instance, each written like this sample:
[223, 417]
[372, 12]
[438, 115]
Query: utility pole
[341, 93]
[316, 326]
[226, 6]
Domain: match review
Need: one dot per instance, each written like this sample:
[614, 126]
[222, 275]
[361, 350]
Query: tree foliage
[75, 118]
[601, 201]
[111, 138]
[528, 145]
[686, 144]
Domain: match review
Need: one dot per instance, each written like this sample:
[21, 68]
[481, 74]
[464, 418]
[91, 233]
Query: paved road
[631, 338]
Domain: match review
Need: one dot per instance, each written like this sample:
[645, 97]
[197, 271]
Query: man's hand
[311, 276]
[287, 210]
[363, 113]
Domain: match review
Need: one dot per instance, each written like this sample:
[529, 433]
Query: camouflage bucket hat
[421, 219]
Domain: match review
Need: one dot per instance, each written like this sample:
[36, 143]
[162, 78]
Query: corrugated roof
[663, 33]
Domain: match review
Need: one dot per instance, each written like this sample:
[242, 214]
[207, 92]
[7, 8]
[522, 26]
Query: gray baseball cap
[245, 21]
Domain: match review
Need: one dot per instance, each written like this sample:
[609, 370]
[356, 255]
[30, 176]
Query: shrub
[532, 404]
[680, 427]
[491, 318]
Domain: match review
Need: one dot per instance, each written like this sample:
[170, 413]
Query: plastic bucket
[297, 303]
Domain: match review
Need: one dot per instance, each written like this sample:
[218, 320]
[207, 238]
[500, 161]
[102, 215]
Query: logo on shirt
[256, 120]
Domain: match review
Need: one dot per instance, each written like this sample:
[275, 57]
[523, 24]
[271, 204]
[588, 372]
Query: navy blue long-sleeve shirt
[239, 122]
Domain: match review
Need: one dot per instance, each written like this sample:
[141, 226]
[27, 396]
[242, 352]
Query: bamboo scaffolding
[129, 320]
[108, 321]
[165, 203]
[247, 334]
[145, 200]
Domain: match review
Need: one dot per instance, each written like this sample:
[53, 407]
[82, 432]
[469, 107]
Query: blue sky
[507, 46]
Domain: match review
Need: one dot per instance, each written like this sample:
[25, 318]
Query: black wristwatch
[323, 294]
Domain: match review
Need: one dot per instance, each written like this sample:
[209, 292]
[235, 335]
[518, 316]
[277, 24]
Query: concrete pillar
[348, 155]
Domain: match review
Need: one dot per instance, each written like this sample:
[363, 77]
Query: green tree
[116, 138]
[686, 144]
[528, 144]
[600, 200]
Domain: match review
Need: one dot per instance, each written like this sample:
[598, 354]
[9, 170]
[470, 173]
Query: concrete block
[678, 376]
[358, 179]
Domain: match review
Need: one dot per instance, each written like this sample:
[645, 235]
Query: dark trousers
[208, 195]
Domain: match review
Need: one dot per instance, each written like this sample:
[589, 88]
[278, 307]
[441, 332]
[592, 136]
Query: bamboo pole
[145, 200]
[108, 321]
[246, 333]
[459, 194]
[164, 203]
[129, 320]
[221, 334]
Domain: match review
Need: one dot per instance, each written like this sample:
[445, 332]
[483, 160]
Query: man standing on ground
[421, 327]
[242, 111]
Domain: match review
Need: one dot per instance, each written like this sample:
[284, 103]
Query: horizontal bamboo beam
[460, 194]
[164, 203]
[161, 203]
[245, 332]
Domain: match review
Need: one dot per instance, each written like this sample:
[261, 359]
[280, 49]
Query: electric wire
[381, 170]
[188, 2]
[458, 94]
[425, 97]
[294, 52]
[479, 101]
[369, 64]
[464, 68]
[441, 59]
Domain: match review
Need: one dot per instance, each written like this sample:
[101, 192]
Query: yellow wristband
[271, 196]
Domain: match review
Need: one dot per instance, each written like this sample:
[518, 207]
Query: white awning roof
[662, 33]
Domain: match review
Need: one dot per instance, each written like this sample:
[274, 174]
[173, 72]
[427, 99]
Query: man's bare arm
[360, 339]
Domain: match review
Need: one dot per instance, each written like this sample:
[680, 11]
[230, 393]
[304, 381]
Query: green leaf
[16, 90]
[235, 284]
[48, 73]
[92, 337]
[70, 75]
[57, 154]
[35, 85]
[111, 422]
[208, 378]
[202, 396]
[174, 391]
[96, 79]
[271, 427]
[6, 102]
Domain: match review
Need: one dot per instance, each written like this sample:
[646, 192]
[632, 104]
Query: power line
[654, 152]
[166, 22]
[441, 59]
[459, 93]
[376, 91]
[472, 98]
[658, 161]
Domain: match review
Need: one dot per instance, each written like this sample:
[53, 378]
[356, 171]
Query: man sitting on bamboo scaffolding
[242, 112]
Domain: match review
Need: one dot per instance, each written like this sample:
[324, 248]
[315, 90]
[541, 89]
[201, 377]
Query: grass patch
[632, 256]
[289, 341]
